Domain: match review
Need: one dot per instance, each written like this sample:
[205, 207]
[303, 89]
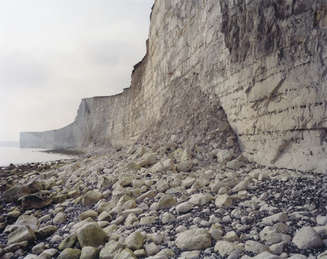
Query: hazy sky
[55, 52]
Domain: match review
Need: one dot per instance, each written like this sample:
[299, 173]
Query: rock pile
[162, 203]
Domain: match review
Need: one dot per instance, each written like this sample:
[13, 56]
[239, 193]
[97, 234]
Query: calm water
[16, 155]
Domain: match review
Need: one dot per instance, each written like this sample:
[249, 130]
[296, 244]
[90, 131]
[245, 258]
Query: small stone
[184, 166]
[236, 163]
[270, 236]
[184, 207]
[213, 219]
[181, 155]
[104, 216]
[216, 232]
[126, 181]
[2, 225]
[103, 224]
[150, 194]
[157, 238]
[46, 231]
[196, 220]
[49, 253]
[92, 197]
[277, 249]
[166, 202]
[119, 220]
[306, 238]
[321, 220]
[167, 218]
[231, 236]
[322, 255]
[88, 214]
[200, 199]
[36, 200]
[70, 253]
[39, 248]
[266, 255]
[222, 190]
[224, 156]
[147, 160]
[236, 254]
[110, 249]
[30, 256]
[188, 182]
[151, 249]
[136, 211]
[91, 235]
[224, 201]
[89, 252]
[322, 231]
[13, 193]
[14, 247]
[27, 220]
[243, 185]
[147, 220]
[193, 239]
[55, 239]
[110, 229]
[59, 218]
[254, 247]
[236, 213]
[139, 253]
[45, 218]
[162, 166]
[21, 233]
[204, 223]
[299, 256]
[190, 255]
[135, 240]
[224, 248]
[68, 242]
[279, 217]
[131, 219]
[164, 254]
[8, 256]
[126, 254]
[281, 228]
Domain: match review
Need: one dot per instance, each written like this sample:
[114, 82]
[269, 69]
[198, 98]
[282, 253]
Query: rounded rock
[193, 239]
[306, 238]
[166, 202]
[135, 240]
[91, 235]
[89, 252]
[70, 253]
[91, 197]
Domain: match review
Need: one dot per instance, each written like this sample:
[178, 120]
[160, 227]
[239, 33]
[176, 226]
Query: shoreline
[33, 166]
[20, 158]
[69, 152]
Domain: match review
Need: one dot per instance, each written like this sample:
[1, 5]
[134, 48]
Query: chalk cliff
[247, 75]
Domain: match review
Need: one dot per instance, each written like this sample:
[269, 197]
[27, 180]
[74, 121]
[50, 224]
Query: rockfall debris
[138, 203]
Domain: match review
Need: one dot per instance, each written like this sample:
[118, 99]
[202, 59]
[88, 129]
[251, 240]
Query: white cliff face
[275, 89]
[214, 69]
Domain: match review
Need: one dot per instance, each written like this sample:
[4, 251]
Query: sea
[17, 155]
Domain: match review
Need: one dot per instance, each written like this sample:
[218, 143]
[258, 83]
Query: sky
[53, 53]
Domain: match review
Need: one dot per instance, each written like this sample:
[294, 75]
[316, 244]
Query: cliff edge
[243, 75]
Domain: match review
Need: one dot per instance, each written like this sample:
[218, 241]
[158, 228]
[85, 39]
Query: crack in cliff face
[257, 28]
[272, 96]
